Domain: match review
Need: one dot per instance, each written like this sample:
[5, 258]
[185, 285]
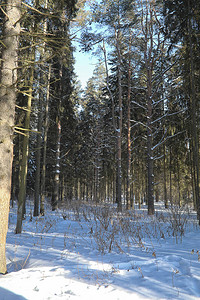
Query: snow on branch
[138, 104]
[167, 138]
[168, 115]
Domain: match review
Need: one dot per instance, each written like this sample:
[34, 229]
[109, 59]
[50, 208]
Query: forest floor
[93, 252]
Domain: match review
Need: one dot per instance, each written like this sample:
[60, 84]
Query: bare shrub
[114, 231]
[105, 228]
[177, 219]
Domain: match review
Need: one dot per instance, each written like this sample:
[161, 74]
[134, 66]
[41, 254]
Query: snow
[92, 252]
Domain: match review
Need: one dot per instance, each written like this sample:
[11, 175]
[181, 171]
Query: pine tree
[114, 15]
[182, 27]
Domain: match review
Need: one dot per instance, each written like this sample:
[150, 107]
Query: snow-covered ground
[94, 253]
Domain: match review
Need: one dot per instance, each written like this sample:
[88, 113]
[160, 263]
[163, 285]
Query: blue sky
[84, 66]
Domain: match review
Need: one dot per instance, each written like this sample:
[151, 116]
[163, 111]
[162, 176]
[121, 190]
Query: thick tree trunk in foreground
[8, 78]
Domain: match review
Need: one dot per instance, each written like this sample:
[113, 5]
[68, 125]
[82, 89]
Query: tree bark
[119, 129]
[8, 80]
[128, 194]
[170, 175]
[39, 138]
[195, 147]
[38, 158]
[56, 183]
[43, 178]
[165, 178]
[55, 198]
[150, 161]
[25, 153]
[149, 62]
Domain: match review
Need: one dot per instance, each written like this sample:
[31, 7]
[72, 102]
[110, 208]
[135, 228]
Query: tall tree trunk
[192, 177]
[8, 79]
[55, 195]
[63, 190]
[128, 195]
[38, 158]
[25, 152]
[195, 146]
[131, 188]
[150, 175]
[56, 183]
[119, 129]
[114, 181]
[43, 178]
[165, 179]
[170, 175]
[149, 41]
[97, 169]
[178, 182]
[39, 138]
